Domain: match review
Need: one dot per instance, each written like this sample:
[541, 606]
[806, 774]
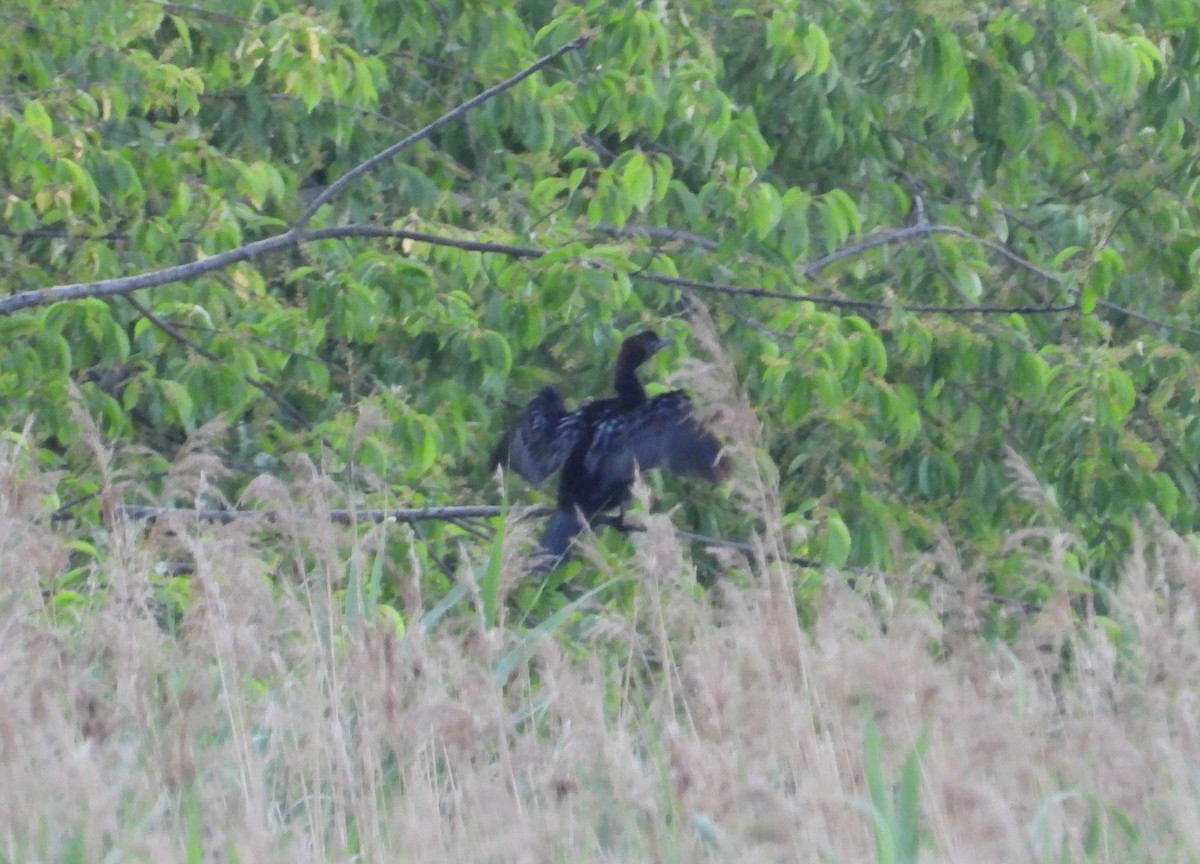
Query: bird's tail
[555, 543]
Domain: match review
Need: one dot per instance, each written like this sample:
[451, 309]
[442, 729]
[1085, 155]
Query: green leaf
[38, 119]
[904, 414]
[793, 224]
[1105, 267]
[637, 180]
[908, 804]
[1087, 298]
[967, 281]
[835, 541]
[766, 209]
[840, 215]
[1121, 393]
[508, 662]
[1032, 376]
[1066, 254]
[177, 396]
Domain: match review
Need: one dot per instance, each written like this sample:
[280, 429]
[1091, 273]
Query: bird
[600, 445]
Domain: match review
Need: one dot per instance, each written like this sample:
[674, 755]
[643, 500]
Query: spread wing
[663, 431]
[538, 443]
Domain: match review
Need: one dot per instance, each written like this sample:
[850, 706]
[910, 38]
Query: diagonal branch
[295, 236]
[463, 109]
[1146, 319]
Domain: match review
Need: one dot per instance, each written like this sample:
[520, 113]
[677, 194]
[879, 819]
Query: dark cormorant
[598, 445]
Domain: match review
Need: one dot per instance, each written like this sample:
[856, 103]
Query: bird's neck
[630, 391]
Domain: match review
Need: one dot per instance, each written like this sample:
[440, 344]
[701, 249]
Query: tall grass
[284, 716]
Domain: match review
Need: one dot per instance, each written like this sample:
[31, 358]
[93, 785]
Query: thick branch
[340, 517]
[182, 272]
[126, 284]
[449, 514]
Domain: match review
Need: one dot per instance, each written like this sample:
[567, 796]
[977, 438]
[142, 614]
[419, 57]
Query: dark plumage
[598, 445]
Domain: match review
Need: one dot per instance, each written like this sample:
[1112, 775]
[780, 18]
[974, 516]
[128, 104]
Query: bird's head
[639, 348]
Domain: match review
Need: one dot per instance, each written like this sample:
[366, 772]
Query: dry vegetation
[267, 725]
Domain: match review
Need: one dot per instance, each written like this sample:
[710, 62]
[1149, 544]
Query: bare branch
[810, 270]
[660, 234]
[295, 236]
[126, 284]
[54, 234]
[412, 515]
[251, 251]
[1146, 319]
[340, 517]
[449, 117]
[922, 229]
[466, 244]
[850, 303]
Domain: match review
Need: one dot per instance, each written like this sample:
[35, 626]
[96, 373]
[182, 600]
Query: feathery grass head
[258, 714]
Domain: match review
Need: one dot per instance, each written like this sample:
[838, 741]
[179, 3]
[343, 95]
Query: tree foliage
[892, 179]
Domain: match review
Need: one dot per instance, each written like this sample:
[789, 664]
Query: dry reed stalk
[268, 724]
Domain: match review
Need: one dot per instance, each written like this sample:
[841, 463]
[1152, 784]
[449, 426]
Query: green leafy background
[1042, 155]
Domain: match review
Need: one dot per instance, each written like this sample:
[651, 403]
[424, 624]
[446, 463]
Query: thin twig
[1146, 319]
[183, 11]
[922, 229]
[468, 245]
[55, 234]
[660, 233]
[519, 251]
[289, 410]
[750, 551]
[851, 303]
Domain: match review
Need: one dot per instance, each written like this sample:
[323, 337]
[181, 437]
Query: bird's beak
[660, 344]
